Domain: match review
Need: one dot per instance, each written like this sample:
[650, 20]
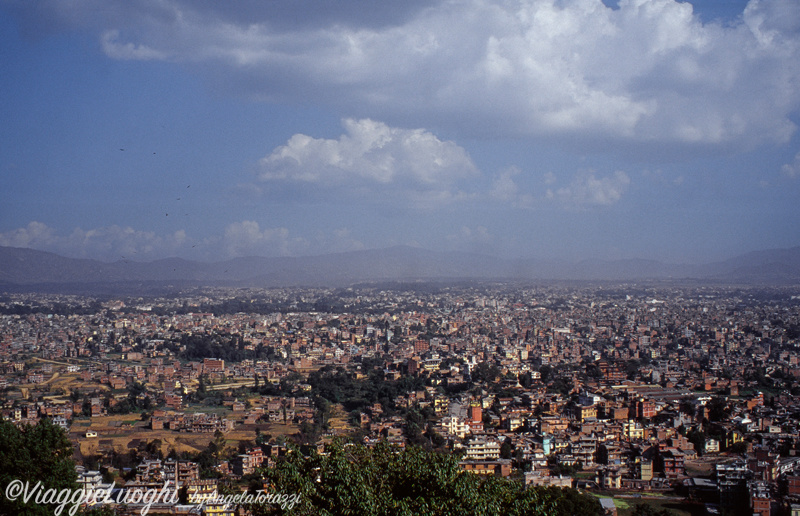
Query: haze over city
[552, 129]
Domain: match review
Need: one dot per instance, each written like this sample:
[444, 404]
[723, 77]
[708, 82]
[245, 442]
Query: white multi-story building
[454, 426]
[479, 449]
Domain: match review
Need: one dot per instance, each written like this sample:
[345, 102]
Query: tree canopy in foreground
[34, 453]
[354, 479]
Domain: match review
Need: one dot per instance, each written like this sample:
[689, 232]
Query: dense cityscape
[420, 258]
[685, 398]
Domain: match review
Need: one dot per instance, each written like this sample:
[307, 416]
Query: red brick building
[645, 409]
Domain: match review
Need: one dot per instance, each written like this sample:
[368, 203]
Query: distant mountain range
[28, 269]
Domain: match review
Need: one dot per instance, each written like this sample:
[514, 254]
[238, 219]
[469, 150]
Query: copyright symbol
[14, 489]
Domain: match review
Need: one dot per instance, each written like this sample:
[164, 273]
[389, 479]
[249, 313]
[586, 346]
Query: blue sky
[559, 129]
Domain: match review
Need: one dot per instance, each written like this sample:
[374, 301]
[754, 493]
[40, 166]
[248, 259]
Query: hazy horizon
[545, 129]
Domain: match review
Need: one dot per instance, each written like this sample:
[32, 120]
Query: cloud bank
[109, 243]
[649, 71]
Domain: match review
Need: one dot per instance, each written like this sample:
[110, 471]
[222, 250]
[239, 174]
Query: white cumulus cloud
[586, 190]
[114, 49]
[35, 235]
[505, 190]
[108, 243]
[649, 71]
[792, 169]
[371, 153]
[246, 238]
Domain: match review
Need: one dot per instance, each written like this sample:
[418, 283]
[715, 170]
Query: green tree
[698, 438]
[485, 372]
[717, 408]
[201, 386]
[86, 407]
[100, 510]
[39, 453]
[545, 373]
[648, 510]
[218, 447]
[740, 447]
[506, 449]
[353, 479]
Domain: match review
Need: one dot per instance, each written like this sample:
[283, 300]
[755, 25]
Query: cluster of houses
[615, 387]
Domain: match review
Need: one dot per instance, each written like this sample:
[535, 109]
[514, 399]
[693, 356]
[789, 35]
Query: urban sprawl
[686, 393]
